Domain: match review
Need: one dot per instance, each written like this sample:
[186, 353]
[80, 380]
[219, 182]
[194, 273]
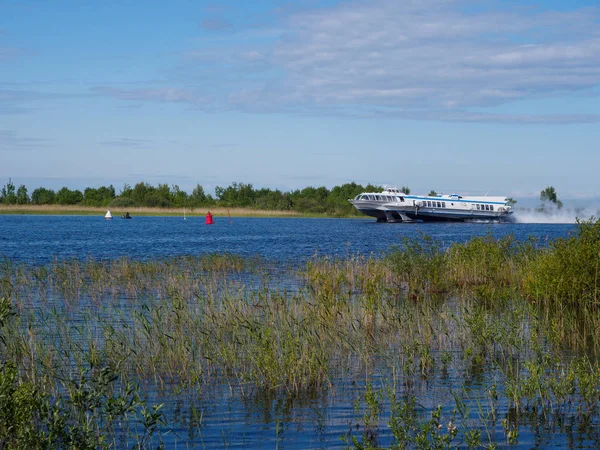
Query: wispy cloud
[215, 24]
[178, 95]
[427, 60]
[137, 144]
[11, 141]
[20, 101]
[10, 53]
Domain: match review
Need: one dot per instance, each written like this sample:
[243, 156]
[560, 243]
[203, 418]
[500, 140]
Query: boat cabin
[379, 198]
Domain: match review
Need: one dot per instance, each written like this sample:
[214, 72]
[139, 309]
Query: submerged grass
[469, 345]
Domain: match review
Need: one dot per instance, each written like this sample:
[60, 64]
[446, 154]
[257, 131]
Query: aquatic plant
[470, 327]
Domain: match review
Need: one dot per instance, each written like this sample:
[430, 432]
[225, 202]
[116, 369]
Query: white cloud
[430, 53]
[430, 60]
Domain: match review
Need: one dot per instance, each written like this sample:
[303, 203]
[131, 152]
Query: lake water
[38, 239]
[219, 416]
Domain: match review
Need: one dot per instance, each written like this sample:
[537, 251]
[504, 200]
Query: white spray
[551, 214]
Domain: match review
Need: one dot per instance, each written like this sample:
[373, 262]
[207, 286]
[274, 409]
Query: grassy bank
[78, 210]
[474, 345]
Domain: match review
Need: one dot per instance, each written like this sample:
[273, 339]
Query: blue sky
[470, 97]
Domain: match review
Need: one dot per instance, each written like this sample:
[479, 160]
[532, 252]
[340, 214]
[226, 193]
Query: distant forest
[311, 200]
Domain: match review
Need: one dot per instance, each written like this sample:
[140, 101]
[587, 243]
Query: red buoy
[209, 219]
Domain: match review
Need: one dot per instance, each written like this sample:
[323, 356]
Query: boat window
[401, 199]
[439, 204]
[478, 207]
[491, 207]
[487, 207]
[377, 197]
[443, 204]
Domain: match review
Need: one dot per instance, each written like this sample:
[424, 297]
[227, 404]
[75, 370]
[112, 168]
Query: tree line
[313, 200]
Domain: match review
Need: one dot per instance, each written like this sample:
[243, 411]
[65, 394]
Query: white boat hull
[453, 208]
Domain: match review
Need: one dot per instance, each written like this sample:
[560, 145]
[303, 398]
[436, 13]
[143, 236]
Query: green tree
[511, 201]
[8, 194]
[432, 193]
[337, 200]
[102, 196]
[238, 194]
[198, 197]
[549, 195]
[43, 196]
[65, 196]
[405, 189]
[22, 197]
[310, 200]
[126, 191]
[180, 198]
[140, 193]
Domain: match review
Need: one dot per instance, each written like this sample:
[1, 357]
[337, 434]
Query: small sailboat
[108, 215]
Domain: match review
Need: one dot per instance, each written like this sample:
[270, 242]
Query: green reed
[519, 318]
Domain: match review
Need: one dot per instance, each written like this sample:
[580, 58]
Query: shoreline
[78, 210]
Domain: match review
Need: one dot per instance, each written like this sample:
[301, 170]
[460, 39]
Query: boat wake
[484, 221]
[554, 215]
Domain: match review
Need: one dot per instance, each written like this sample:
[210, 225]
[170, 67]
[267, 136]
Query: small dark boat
[126, 216]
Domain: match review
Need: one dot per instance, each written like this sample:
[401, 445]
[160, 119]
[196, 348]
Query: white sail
[108, 215]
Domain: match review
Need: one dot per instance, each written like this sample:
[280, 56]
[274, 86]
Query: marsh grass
[473, 349]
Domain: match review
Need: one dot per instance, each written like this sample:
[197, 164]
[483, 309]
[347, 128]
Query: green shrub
[569, 269]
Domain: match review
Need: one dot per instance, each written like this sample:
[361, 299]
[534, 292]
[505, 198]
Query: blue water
[38, 239]
[226, 417]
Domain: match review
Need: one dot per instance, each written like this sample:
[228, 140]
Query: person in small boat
[127, 216]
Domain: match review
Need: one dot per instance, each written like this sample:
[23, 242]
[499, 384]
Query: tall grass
[513, 325]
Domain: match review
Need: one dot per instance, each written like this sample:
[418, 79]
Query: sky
[476, 97]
